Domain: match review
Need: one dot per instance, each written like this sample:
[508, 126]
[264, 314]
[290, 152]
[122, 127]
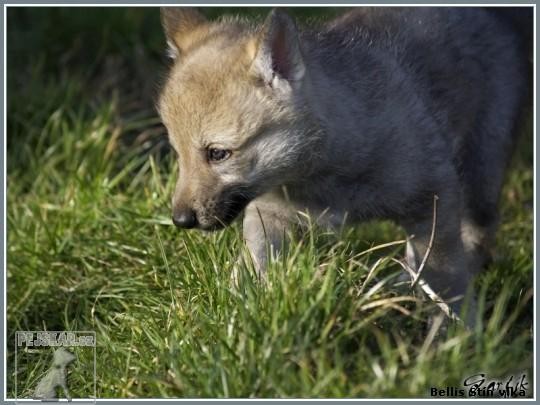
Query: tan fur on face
[204, 95]
[213, 98]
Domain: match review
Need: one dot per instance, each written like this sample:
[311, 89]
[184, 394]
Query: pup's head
[235, 111]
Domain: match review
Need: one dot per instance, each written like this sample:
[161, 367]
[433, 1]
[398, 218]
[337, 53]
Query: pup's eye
[217, 155]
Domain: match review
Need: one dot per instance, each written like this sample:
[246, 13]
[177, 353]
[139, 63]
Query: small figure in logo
[55, 377]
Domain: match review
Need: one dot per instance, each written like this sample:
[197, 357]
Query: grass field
[91, 247]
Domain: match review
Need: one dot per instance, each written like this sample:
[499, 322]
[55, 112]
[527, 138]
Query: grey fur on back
[419, 77]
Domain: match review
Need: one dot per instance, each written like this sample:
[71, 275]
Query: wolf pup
[370, 117]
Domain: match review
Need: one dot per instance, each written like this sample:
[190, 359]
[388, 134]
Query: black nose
[185, 219]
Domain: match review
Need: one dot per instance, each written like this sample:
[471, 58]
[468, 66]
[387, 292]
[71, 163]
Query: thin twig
[430, 293]
[430, 244]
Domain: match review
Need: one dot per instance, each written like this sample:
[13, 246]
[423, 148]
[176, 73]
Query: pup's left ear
[182, 26]
[278, 55]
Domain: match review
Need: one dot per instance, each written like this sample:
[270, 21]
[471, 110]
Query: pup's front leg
[448, 268]
[266, 223]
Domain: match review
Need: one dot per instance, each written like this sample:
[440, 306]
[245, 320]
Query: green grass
[91, 247]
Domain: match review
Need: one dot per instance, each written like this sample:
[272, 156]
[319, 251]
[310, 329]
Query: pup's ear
[278, 55]
[180, 24]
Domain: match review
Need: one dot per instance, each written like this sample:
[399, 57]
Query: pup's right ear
[278, 58]
[180, 25]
